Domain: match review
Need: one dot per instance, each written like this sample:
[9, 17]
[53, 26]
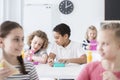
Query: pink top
[93, 71]
[93, 44]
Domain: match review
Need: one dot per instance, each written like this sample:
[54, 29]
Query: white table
[70, 71]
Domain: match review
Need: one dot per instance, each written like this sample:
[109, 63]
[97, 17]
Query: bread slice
[5, 64]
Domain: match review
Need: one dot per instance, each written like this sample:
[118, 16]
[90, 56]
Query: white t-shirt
[73, 50]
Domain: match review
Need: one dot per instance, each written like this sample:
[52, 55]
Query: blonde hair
[114, 26]
[91, 28]
[40, 34]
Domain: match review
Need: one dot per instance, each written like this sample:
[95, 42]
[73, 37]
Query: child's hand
[4, 73]
[88, 47]
[28, 54]
[63, 60]
[50, 61]
[108, 75]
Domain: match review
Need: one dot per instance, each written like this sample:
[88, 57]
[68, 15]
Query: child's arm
[81, 60]
[85, 45]
[26, 54]
[41, 59]
[84, 74]
[51, 58]
[7, 70]
[4, 73]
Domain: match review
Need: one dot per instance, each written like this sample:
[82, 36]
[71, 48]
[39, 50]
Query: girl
[90, 37]
[38, 43]
[11, 43]
[109, 49]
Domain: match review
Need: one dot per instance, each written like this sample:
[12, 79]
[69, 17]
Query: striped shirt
[32, 74]
[85, 44]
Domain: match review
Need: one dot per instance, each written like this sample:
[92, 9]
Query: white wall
[86, 13]
[12, 10]
[1, 11]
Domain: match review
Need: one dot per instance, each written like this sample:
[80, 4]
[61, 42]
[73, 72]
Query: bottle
[31, 52]
[30, 58]
[89, 56]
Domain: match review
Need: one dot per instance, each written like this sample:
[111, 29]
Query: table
[70, 71]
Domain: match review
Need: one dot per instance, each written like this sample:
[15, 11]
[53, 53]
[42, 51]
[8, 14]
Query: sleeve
[54, 49]
[33, 74]
[43, 52]
[89, 70]
[84, 44]
[84, 74]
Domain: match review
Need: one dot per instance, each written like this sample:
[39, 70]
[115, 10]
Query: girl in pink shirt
[109, 48]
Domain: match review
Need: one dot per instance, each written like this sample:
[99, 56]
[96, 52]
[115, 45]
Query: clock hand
[68, 6]
[65, 4]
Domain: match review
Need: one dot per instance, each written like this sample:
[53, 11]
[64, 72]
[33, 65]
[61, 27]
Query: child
[109, 49]
[11, 43]
[90, 39]
[38, 43]
[65, 50]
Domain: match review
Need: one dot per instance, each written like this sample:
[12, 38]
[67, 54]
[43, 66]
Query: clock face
[66, 7]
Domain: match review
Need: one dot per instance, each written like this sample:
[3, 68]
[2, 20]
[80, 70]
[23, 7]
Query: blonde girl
[38, 43]
[91, 35]
[108, 47]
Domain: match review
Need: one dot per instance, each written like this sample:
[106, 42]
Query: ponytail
[22, 68]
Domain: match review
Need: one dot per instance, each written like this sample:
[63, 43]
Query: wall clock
[66, 7]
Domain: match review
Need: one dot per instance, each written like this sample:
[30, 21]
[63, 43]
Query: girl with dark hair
[11, 43]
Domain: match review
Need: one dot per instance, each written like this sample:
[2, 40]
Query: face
[108, 46]
[92, 34]
[59, 39]
[36, 43]
[13, 43]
